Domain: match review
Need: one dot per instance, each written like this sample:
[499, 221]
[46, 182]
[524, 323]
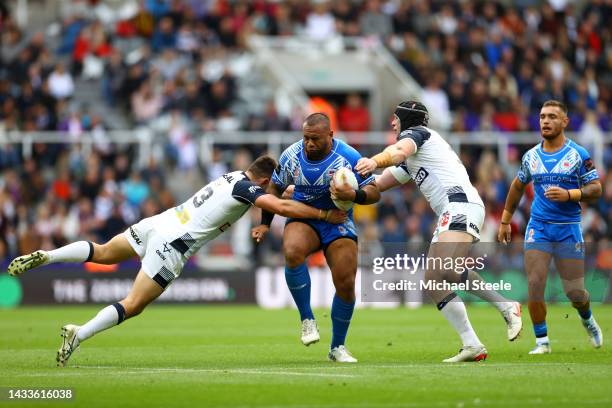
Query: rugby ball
[344, 175]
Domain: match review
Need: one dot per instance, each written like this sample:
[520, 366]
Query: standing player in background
[309, 165]
[424, 156]
[563, 175]
[165, 242]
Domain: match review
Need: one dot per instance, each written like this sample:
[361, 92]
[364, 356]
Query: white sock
[108, 317]
[542, 340]
[76, 252]
[455, 313]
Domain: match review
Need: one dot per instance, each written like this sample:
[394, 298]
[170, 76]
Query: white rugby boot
[594, 331]
[514, 323]
[310, 332]
[469, 353]
[341, 355]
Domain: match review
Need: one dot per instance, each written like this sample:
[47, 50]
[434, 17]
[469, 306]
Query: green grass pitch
[204, 356]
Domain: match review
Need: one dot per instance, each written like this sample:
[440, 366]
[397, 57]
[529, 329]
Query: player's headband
[415, 115]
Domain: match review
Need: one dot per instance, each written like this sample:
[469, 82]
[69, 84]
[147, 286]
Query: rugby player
[563, 175]
[309, 165]
[165, 242]
[422, 155]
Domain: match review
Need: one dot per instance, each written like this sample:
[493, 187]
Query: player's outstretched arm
[391, 156]
[517, 188]
[294, 209]
[386, 181]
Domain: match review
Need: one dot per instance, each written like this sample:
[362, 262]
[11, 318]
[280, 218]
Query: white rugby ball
[344, 175]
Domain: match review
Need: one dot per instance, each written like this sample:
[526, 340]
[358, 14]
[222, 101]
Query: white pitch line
[141, 370]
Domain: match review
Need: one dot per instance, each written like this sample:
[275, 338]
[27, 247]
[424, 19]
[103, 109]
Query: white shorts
[160, 261]
[463, 217]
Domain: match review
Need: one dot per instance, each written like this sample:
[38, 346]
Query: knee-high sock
[108, 317]
[298, 281]
[341, 314]
[80, 251]
[491, 296]
[453, 308]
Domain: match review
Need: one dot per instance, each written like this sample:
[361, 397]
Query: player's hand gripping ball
[344, 183]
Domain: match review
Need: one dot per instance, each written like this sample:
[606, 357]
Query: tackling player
[309, 165]
[422, 155]
[563, 175]
[165, 242]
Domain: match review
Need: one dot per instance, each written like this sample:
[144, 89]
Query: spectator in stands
[61, 85]
[373, 22]
[320, 23]
[354, 116]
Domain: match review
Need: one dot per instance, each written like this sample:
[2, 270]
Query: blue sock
[585, 315]
[341, 313]
[540, 329]
[298, 281]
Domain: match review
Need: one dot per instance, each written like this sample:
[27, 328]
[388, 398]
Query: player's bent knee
[293, 257]
[133, 307]
[578, 297]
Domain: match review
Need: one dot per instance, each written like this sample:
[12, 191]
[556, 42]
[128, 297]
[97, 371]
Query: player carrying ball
[165, 242]
[563, 175]
[309, 166]
[422, 155]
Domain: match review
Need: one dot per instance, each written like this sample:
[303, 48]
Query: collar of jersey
[567, 143]
[332, 151]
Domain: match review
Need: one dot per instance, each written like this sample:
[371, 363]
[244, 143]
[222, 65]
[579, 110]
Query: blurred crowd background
[177, 65]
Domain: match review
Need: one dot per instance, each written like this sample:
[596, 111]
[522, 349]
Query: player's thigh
[536, 267]
[299, 241]
[144, 291]
[449, 245]
[341, 256]
[116, 250]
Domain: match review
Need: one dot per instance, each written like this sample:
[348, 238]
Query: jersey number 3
[199, 200]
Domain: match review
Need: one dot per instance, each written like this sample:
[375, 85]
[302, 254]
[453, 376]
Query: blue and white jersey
[570, 167]
[312, 179]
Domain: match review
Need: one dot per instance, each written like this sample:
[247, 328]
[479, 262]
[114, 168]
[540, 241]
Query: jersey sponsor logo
[445, 219]
[342, 230]
[553, 179]
[224, 227]
[135, 237]
[566, 164]
[253, 189]
[474, 227]
[228, 178]
[421, 176]
[313, 168]
[158, 252]
[550, 161]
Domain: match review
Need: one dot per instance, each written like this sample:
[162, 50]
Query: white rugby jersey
[208, 213]
[436, 169]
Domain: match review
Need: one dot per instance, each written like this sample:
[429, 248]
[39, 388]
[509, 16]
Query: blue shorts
[328, 232]
[560, 240]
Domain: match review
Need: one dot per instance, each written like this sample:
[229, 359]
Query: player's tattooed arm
[588, 193]
[517, 188]
[591, 192]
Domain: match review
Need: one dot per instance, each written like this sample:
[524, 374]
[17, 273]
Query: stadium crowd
[483, 66]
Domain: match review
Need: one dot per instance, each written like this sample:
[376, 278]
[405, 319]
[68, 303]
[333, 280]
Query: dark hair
[556, 104]
[412, 113]
[316, 119]
[263, 166]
